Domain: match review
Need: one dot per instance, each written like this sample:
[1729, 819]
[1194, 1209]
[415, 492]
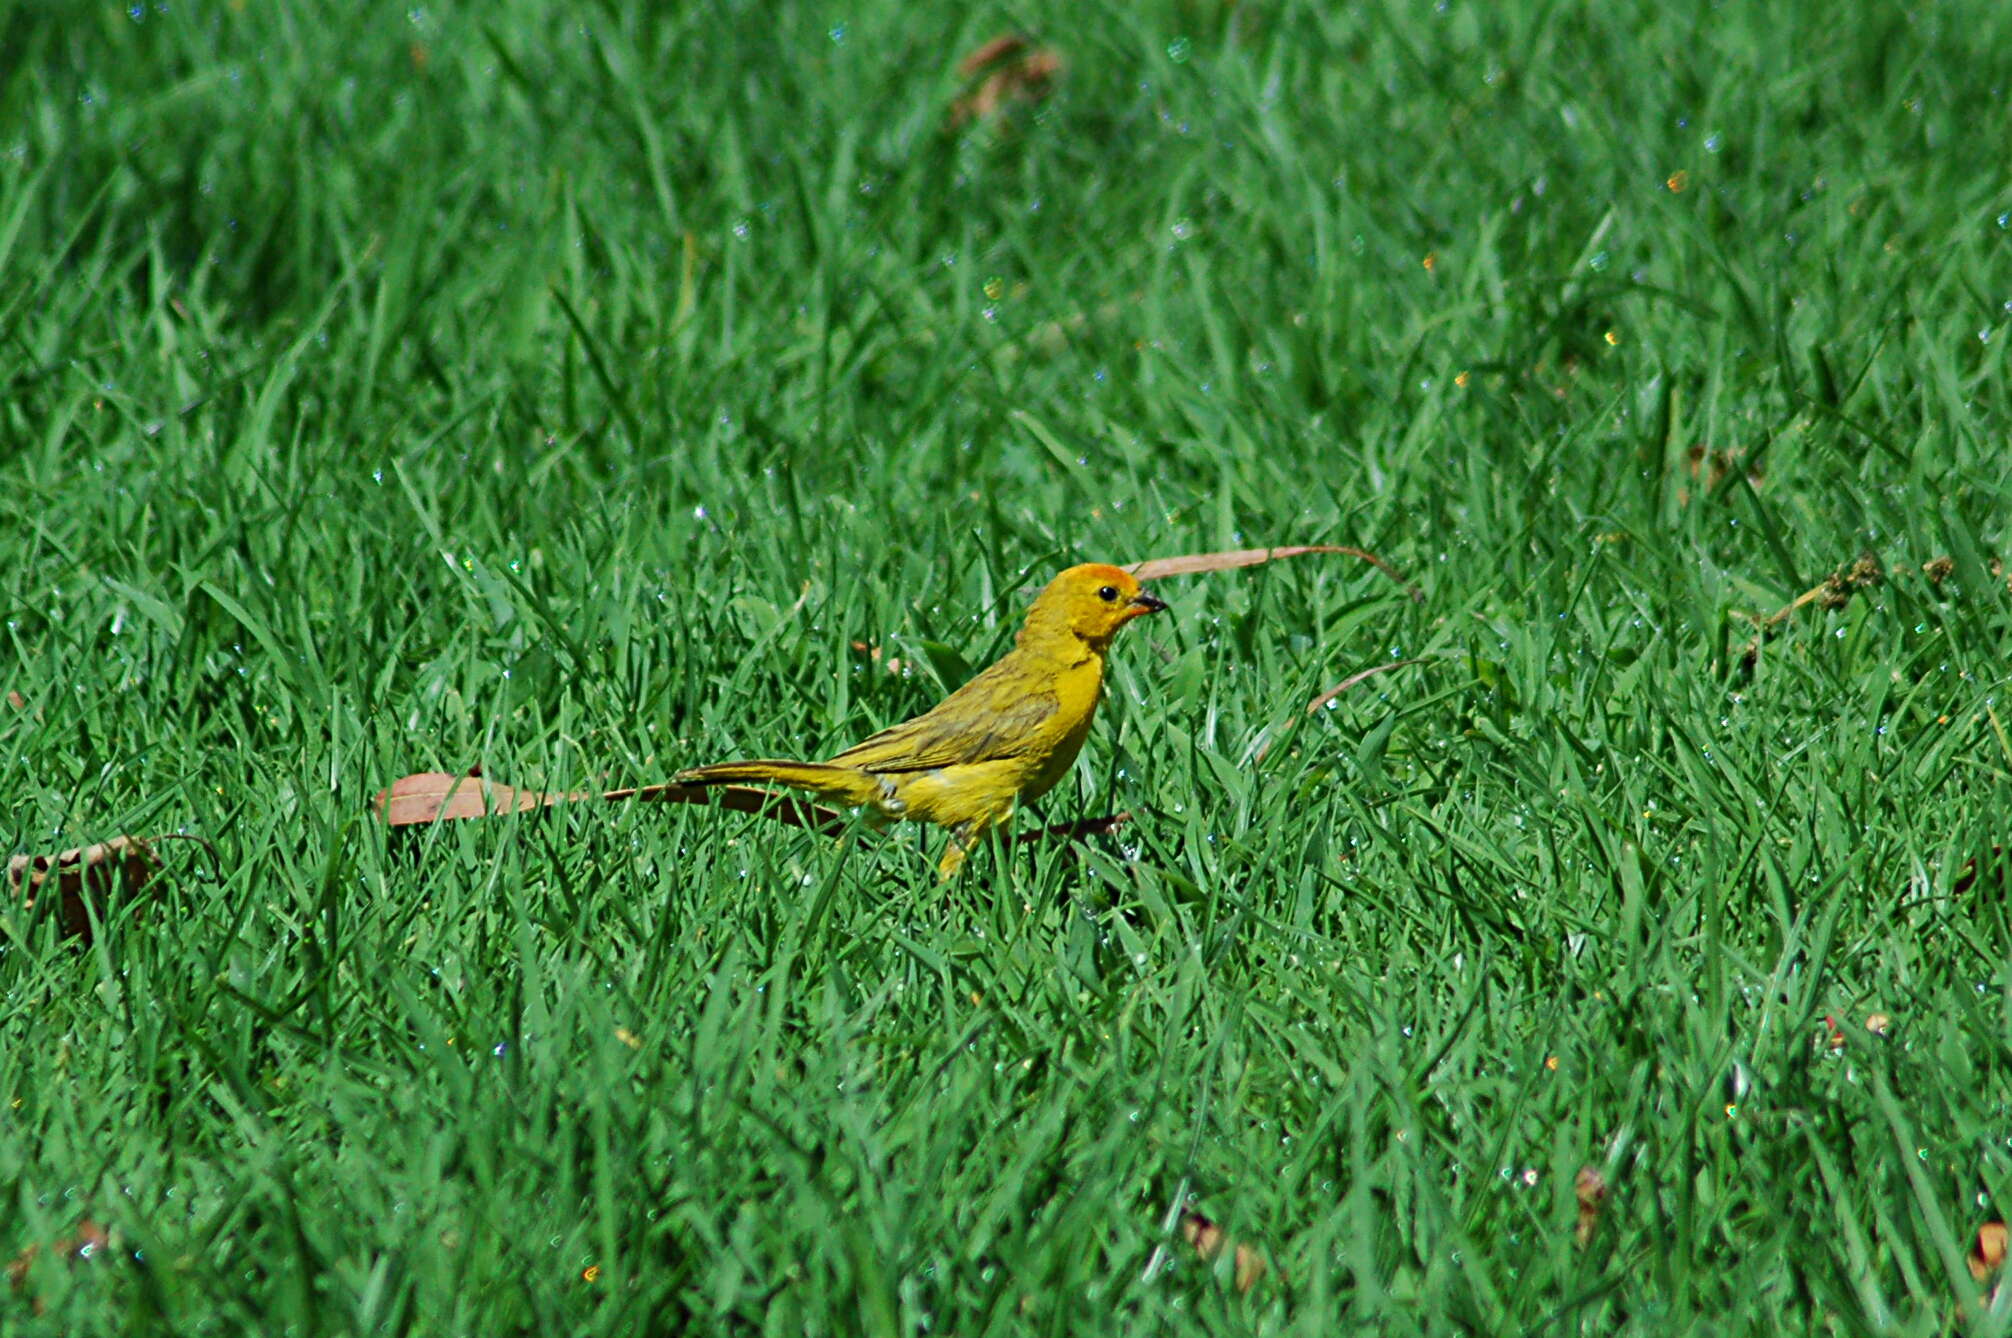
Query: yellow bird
[1002, 739]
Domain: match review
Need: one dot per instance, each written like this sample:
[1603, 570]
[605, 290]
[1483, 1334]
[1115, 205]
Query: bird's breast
[1077, 688]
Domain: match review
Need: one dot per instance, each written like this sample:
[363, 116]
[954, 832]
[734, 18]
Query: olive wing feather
[993, 716]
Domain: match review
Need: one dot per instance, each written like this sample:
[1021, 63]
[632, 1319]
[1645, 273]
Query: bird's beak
[1145, 603]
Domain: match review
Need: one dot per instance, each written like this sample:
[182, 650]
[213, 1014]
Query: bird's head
[1089, 602]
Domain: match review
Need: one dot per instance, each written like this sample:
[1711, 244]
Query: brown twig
[1073, 831]
[1834, 592]
[1354, 678]
[783, 808]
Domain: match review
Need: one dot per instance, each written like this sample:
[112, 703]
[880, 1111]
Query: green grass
[563, 389]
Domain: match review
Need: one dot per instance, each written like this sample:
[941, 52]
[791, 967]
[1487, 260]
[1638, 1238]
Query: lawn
[586, 392]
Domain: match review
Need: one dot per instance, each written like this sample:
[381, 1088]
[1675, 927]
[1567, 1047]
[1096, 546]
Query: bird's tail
[844, 784]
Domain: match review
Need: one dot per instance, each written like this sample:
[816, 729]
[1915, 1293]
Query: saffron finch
[1002, 739]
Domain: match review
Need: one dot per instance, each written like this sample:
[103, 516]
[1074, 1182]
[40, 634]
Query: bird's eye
[1108, 593]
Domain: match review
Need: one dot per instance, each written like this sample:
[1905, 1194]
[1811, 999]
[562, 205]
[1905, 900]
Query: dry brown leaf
[1986, 1260]
[87, 1241]
[1013, 69]
[1589, 1187]
[123, 864]
[1940, 569]
[16, 700]
[1152, 569]
[1211, 1240]
[1987, 1255]
[872, 652]
[1708, 467]
[436, 796]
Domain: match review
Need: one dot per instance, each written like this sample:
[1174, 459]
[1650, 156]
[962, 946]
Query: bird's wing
[993, 716]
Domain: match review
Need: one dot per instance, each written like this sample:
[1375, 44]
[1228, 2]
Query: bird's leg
[962, 838]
